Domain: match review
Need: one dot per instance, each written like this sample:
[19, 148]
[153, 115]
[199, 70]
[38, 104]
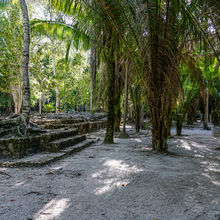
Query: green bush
[49, 108]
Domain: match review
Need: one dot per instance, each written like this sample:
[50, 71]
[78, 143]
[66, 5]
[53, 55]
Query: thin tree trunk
[141, 116]
[118, 91]
[25, 62]
[126, 97]
[93, 66]
[55, 76]
[206, 110]
[179, 124]
[40, 105]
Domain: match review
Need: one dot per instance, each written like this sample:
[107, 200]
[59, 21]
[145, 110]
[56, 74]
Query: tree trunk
[206, 110]
[55, 76]
[161, 93]
[118, 91]
[93, 67]
[109, 136]
[179, 124]
[16, 90]
[25, 62]
[137, 117]
[142, 117]
[126, 98]
[117, 120]
[40, 105]
[136, 100]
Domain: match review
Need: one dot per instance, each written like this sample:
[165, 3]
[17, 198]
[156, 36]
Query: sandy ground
[125, 180]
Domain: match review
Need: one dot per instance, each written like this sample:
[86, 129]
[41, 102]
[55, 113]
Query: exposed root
[18, 126]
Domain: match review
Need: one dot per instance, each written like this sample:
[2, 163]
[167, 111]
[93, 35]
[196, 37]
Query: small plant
[92, 112]
[49, 107]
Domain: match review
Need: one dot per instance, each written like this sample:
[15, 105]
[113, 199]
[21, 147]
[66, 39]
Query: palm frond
[61, 31]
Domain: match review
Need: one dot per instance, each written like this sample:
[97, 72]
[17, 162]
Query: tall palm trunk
[109, 136]
[118, 91]
[25, 62]
[110, 62]
[163, 66]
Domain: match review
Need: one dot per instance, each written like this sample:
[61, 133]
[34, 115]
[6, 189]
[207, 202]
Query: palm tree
[25, 62]
[159, 31]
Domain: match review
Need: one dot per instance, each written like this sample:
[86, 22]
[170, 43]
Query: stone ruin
[61, 131]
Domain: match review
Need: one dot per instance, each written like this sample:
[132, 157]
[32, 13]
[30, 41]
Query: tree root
[18, 126]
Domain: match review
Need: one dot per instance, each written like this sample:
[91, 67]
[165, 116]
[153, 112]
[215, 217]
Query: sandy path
[121, 181]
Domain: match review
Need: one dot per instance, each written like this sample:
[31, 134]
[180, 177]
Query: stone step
[55, 146]
[19, 147]
[87, 127]
[5, 132]
[57, 121]
[58, 134]
[83, 127]
[55, 126]
[42, 159]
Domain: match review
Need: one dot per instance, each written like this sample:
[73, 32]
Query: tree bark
[118, 90]
[110, 62]
[93, 66]
[25, 62]
[40, 105]
[126, 97]
[179, 124]
[55, 76]
[160, 89]
[206, 110]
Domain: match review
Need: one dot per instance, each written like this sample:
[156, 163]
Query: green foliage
[50, 107]
[74, 82]
[11, 40]
[5, 100]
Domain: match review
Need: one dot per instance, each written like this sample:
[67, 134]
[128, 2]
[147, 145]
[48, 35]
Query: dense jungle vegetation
[159, 58]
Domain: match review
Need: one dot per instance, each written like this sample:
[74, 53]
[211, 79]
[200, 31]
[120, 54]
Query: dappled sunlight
[217, 183]
[121, 165]
[210, 168]
[114, 174]
[19, 184]
[127, 127]
[110, 185]
[53, 209]
[213, 181]
[195, 146]
[199, 146]
[213, 167]
[199, 156]
[185, 145]
[138, 140]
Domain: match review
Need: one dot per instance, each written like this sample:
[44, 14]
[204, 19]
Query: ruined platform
[45, 158]
[61, 133]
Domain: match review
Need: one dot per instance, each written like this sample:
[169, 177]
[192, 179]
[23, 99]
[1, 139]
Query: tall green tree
[26, 105]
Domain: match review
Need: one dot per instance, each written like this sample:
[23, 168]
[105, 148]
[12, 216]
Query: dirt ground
[125, 180]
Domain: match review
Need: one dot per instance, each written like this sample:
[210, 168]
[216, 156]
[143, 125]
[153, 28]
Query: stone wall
[20, 147]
